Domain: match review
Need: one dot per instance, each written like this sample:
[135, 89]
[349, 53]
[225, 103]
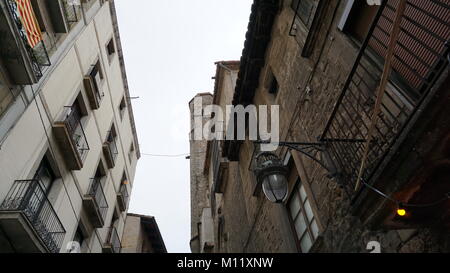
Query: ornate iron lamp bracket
[316, 151]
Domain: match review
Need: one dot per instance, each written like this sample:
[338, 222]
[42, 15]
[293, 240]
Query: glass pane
[303, 193]
[300, 225]
[315, 229]
[45, 175]
[305, 243]
[309, 212]
[294, 205]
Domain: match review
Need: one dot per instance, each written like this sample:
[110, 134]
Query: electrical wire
[399, 203]
[172, 155]
[162, 155]
[77, 216]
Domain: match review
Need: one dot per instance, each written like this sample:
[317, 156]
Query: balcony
[92, 84]
[29, 221]
[95, 203]
[420, 59]
[69, 133]
[110, 150]
[220, 166]
[72, 13]
[23, 62]
[112, 244]
[122, 197]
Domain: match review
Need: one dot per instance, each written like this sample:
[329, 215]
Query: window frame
[80, 234]
[302, 213]
[97, 71]
[122, 107]
[306, 36]
[46, 166]
[296, 5]
[111, 53]
[131, 153]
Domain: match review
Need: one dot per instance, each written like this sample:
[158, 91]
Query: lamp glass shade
[275, 187]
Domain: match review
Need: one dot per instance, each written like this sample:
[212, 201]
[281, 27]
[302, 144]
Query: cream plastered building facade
[69, 146]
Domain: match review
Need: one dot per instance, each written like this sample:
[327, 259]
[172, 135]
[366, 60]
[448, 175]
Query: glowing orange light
[125, 182]
[401, 212]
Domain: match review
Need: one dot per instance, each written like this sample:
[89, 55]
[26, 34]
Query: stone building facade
[141, 235]
[322, 62]
[68, 140]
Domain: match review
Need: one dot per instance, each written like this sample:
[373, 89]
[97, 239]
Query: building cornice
[257, 39]
[156, 237]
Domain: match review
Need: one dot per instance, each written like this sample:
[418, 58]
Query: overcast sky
[170, 47]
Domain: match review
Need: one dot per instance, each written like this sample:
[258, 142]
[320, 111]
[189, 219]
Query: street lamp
[271, 174]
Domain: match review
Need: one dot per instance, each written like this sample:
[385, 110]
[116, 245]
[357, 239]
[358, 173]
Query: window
[79, 237]
[124, 180]
[110, 48]
[122, 107]
[92, 83]
[359, 19]
[97, 75]
[74, 116]
[96, 184]
[131, 153]
[307, 22]
[115, 220]
[303, 219]
[45, 175]
[112, 145]
[273, 86]
[305, 10]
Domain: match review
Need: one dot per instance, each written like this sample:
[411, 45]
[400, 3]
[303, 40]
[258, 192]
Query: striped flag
[29, 22]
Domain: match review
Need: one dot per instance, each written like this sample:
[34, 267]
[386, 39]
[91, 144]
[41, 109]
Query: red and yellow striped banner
[29, 22]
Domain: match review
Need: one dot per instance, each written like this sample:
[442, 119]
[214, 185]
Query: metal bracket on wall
[316, 151]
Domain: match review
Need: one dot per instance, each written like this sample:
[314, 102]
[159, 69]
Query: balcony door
[111, 141]
[74, 116]
[96, 183]
[45, 176]
[39, 190]
[74, 125]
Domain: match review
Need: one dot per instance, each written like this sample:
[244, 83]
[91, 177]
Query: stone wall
[199, 181]
[309, 88]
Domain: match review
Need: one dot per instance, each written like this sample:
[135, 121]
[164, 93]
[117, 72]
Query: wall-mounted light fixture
[271, 173]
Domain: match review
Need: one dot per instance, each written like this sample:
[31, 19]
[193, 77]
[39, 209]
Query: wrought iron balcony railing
[38, 55]
[72, 120]
[112, 146]
[420, 57]
[113, 241]
[124, 196]
[30, 198]
[71, 12]
[110, 150]
[98, 195]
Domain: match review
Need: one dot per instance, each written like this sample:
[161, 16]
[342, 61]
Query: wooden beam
[382, 88]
